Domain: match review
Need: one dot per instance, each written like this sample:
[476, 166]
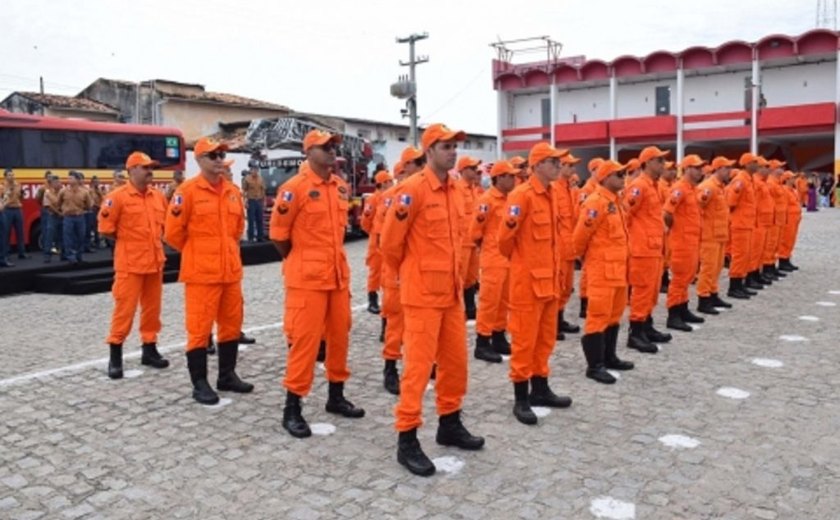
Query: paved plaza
[736, 420]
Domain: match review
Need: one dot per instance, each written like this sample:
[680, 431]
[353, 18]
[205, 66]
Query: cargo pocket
[542, 227]
[208, 255]
[543, 282]
[437, 277]
[314, 265]
[295, 305]
[616, 265]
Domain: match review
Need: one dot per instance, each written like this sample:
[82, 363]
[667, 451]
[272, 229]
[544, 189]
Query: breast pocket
[437, 223]
[343, 209]
[541, 229]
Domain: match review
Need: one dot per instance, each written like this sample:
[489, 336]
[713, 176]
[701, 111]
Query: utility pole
[406, 88]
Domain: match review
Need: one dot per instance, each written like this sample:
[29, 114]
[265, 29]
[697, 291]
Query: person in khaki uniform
[14, 213]
[50, 215]
[254, 190]
[73, 201]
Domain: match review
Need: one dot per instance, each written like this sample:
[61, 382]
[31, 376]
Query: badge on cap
[514, 210]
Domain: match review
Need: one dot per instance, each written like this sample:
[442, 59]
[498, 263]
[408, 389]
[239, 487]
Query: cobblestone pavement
[662, 443]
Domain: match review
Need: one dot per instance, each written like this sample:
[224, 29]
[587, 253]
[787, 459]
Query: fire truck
[276, 145]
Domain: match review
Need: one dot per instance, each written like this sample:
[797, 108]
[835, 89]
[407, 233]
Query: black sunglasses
[420, 162]
[215, 155]
[620, 175]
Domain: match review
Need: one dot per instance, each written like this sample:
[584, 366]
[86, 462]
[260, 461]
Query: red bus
[33, 145]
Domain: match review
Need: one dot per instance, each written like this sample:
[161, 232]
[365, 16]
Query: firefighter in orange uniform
[421, 240]
[567, 207]
[133, 217]
[779, 196]
[666, 182]
[647, 234]
[529, 235]
[468, 186]
[411, 161]
[585, 191]
[633, 168]
[740, 197]
[765, 212]
[521, 164]
[682, 216]
[307, 227]
[712, 199]
[801, 186]
[373, 259]
[205, 221]
[601, 239]
[791, 229]
[493, 300]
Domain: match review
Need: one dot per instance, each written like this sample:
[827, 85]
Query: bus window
[47, 148]
[11, 152]
[110, 150]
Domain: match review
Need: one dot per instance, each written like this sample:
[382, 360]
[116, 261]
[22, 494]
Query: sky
[339, 57]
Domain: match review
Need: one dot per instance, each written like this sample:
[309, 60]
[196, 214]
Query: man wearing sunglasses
[307, 227]
[412, 160]
[421, 240]
[133, 216]
[529, 236]
[205, 221]
[647, 242]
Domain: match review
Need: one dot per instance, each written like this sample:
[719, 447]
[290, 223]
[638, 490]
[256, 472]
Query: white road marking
[679, 441]
[224, 401]
[767, 363]
[131, 374]
[541, 411]
[694, 326]
[322, 429]
[809, 318]
[448, 464]
[792, 337]
[827, 304]
[833, 292]
[608, 507]
[615, 373]
[77, 367]
[733, 393]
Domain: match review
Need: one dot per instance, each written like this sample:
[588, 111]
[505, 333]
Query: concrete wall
[528, 109]
[578, 106]
[199, 119]
[639, 99]
[799, 84]
[715, 93]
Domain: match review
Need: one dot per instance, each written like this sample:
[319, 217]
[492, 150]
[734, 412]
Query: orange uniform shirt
[715, 212]
[645, 224]
[794, 209]
[664, 188]
[484, 227]
[136, 219]
[601, 239]
[567, 211]
[687, 224]
[587, 189]
[764, 204]
[390, 276]
[469, 194]
[369, 213]
[740, 197]
[205, 223]
[780, 200]
[529, 235]
[421, 239]
[312, 213]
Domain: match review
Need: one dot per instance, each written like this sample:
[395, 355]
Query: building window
[663, 101]
[467, 145]
[479, 145]
[545, 108]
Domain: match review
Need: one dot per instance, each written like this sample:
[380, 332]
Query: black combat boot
[611, 360]
[665, 282]
[594, 349]
[469, 302]
[717, 302]
[228, 380]
[688, 316]
[675, 319]
[197, 366]
[246, 340]
[541, 395]
[736, 289]
[754, 282]
[390, 377]
[638, 339]
[484, 350]
[293, 421]
[211, 346]
[337, 404]
[373, 302]
[500, 342]
[654, 335]
[451, 432]
[115, 364]
[706, 305]
[584, 303]
[151, 357]
[410, 454]
[565, 326]
[521, 408]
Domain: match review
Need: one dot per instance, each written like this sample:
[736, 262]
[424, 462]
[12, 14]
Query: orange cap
[593, 164]
[633, 165]
[569, 159]
[398, 168]
[652, 152]
[410, 154]
[518, 161]
[748, 157]
[788, 175]
[206, 145]
[139, 159]
[775, 163]
[721, 162]
[691, 161]
[502, 168]
[542, 151]
[382, 176]
[440, 132]
[608, 168]
[319, 138]
[467, 162]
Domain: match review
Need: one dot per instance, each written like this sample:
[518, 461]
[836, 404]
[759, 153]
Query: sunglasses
[215, 155]
[620, 175]
[328, 147]
[420, 162]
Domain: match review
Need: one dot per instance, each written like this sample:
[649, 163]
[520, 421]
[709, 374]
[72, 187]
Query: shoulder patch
[178, 199]
[405, 199]
[287, 196]
[514, 210]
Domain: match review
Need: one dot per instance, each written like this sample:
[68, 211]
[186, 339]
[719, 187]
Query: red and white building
[778, 96]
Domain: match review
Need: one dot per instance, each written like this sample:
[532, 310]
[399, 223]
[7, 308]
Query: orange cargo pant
[645, 279]
[606, 306]
[432, 336]
[711, 264]
[393, 312]
[534, 331]
[567, 274]
[310, 317]
[788, 239]
[493, 301]
[215, 302]
[128, 290]
[759, 240]
[469, 265]
[373, 261]
[684, 264]
[741, 241]
[771, 245]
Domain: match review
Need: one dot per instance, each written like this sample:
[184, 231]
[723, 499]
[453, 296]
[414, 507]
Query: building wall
[639, 99]
[715, 93]
[581, 105]
[199, 119]
[528, 109]
[82, 114]
[21, 105]
[799, 84]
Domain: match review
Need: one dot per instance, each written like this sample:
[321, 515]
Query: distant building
[54, 105]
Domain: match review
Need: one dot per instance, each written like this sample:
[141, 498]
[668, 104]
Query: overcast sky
[339, 57]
